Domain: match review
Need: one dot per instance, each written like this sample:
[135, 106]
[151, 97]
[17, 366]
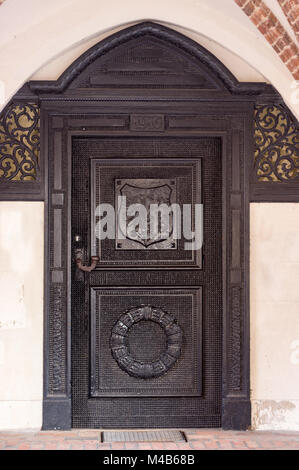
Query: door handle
[83, 267]
[79, 255]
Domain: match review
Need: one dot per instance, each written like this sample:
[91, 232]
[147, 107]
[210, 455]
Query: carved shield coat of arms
[136, 198]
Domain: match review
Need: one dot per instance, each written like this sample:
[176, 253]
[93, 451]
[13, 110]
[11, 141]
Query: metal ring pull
[94, 260]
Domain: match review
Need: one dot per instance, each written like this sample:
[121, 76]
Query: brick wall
[291, 11]
[271, 28]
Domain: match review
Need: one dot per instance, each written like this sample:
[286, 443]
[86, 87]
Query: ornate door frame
[75, 105]
[234, 128]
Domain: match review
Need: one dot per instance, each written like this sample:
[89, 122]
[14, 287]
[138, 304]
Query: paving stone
[201, 439]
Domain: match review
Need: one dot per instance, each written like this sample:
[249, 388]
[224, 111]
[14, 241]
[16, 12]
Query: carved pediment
[148, 55]
[146, 61]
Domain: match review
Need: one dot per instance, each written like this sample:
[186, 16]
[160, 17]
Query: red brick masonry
[200, 439]
[291, 11]
[273, 31]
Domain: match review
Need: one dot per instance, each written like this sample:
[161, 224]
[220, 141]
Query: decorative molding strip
[236, 338]
[236, 239]
[20, 142]
[57, 238]
[57, 160]
[57, 342]
[276, 144]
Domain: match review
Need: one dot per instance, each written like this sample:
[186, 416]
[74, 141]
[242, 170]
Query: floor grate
[165, 435]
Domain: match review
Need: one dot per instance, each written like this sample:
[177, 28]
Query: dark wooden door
[147, 322]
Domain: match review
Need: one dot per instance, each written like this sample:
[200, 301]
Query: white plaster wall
[274, 312]
[21, 314]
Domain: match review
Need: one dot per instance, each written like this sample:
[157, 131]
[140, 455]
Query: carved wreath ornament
[120, 347]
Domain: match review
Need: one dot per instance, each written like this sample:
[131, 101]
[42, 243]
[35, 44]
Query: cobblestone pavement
[198, 439]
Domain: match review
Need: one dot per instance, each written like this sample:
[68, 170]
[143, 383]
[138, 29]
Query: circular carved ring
[120, 349]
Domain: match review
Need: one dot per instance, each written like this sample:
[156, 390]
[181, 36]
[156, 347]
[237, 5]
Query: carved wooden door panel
[147, 322]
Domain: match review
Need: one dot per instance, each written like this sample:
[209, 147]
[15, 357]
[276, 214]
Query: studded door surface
[147, 322]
